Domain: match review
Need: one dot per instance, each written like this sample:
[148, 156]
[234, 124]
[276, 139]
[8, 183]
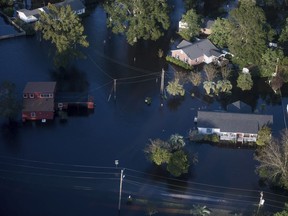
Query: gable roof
[74, 4]
[233, 122]
[198, 48]
[208, 23]
[44, 87]
[239, 106]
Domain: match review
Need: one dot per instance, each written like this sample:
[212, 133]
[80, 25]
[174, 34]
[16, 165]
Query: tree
[269, 61]
[283, 39]
[273, 161]
[211, 72]
[224, 86]
[249, 33]
[209, 87]
[200, 210]
[220, 32]
[244, 81]
[195, 78]
[137, 19]
[284, 212]
[63, 28]
[158, 152]
[264, 136]
[175, 88]
[192, 19]
[225, 72]
[178, 163]
[9, 105]
[176, 142]
[6, 3]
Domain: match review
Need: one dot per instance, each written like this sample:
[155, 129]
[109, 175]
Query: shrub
[9, 11]
[179, 62]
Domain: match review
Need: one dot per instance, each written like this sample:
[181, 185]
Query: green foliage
[137, 19]
[62, 27]
[160, 53]
[6, 3]
[175, 88]
[248, 33]
[27, 27]
[170, 153]
[273, 160]
[284, 212]
[9, 105]
[9, 11]
[195, 78]
[176, 142]
[192, 19]
[178, 62]
[199, 210]
[178, 163]
[158, 152]
[209, 87]
[220, 32]
[269, 62]
[284, 33]
[264, 136]
[244, 81]
[211, 72]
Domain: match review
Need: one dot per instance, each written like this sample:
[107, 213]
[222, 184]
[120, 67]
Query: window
[46, 95]
[208, 130]
[33, 114]
[25, 95]
[31, 95]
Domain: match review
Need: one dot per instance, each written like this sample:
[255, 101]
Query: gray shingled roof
[233, 122]
[74, 4]
[198, 48]
[45, 87]
[239, 106]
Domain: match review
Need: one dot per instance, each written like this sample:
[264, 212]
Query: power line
[202, 184]
[135, 171]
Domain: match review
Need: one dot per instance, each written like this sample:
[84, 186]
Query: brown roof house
[236, 127]
[38, 101]
[197, 52]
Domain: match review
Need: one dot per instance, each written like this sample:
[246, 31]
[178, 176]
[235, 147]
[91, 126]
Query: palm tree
[175, 88]
[176, 141]
[209, 87]
[199, 210]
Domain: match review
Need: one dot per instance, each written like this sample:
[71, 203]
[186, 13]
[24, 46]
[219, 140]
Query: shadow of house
[235, 127]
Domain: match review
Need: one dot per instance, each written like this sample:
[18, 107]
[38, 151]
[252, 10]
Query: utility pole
[115, 89]
[120, 190]
[261, 201]
[162, 83]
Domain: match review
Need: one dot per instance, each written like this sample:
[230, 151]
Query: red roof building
[38, 101]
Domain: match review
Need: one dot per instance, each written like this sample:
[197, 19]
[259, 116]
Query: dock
[64, 100]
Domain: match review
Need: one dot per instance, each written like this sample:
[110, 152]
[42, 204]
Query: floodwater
[68, 168]
[5, 28]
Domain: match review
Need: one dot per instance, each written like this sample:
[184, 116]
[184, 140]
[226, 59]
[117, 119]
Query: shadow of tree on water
[10, 134]
[70, 80]
[174, 103]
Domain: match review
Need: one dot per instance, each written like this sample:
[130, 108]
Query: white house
[30, 16]
[236, 127]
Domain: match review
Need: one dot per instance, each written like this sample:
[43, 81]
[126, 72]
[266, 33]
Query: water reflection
[10, 135]
[70, 79]
[174, 103]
